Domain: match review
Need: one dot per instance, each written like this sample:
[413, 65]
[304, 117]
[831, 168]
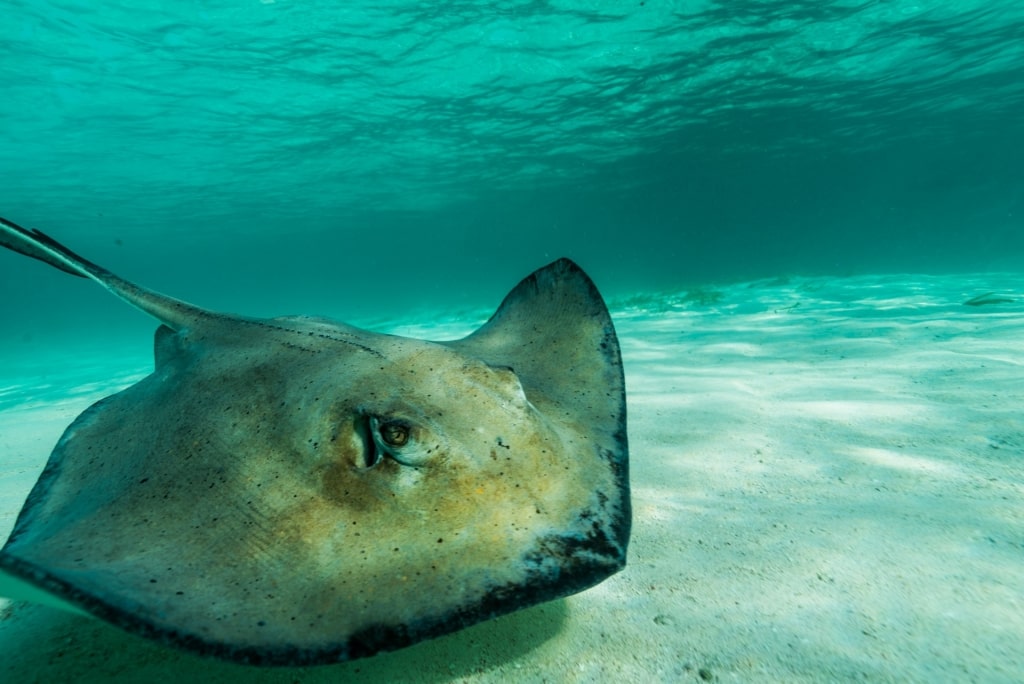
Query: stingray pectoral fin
[553, 330]
[553, 316]
[38, 245]
[17, 589]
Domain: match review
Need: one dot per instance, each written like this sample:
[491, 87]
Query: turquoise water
[367, 159]
[785, 204]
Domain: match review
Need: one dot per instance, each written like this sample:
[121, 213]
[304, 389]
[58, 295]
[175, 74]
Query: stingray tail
[38, 245]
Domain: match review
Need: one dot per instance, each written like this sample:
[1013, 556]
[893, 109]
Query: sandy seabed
[828, 485]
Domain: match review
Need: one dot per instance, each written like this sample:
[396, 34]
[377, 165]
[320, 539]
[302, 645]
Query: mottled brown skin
[295, 490]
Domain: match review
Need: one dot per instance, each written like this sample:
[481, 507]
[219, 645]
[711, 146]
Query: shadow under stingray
[56, 646]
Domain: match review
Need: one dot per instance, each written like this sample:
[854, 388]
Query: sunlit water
[785, 203]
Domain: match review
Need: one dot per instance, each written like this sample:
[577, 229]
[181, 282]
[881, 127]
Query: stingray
[295, 490]
[988, 298]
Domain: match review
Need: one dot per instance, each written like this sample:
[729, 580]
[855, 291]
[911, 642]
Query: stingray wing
[554, 331]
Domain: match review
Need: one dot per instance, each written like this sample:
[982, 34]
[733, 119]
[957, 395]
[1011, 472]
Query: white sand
[828, 482]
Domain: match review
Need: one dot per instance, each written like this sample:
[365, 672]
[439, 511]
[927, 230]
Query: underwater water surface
[359, 160]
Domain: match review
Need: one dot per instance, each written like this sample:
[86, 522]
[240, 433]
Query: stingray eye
[394, 433]
[400, 440]
[390, 436]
